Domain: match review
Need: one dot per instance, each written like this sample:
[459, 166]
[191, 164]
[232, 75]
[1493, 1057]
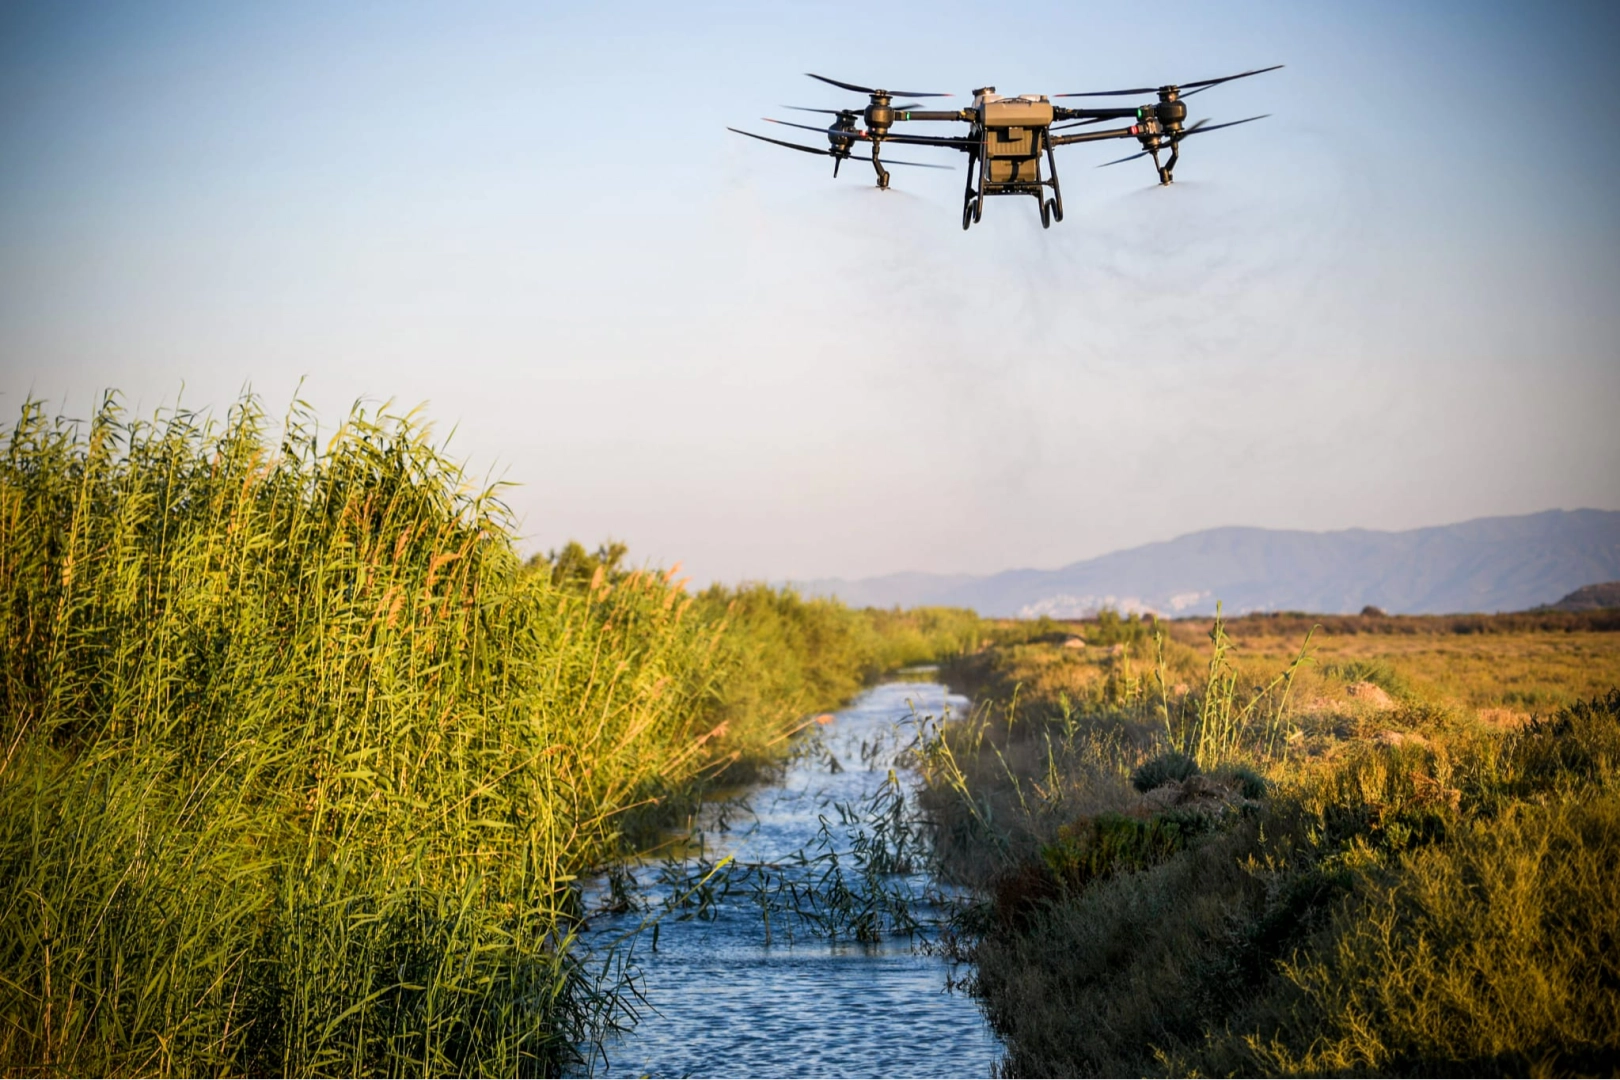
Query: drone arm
[1092, 136]
[1061, 113]
[932, 114]
[954, 142]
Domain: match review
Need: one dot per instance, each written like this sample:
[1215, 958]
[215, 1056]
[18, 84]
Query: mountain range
[1484, 565]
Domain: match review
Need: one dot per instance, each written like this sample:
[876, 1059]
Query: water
[723, 1002]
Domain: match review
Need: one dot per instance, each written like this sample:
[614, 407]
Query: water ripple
[723, 1003]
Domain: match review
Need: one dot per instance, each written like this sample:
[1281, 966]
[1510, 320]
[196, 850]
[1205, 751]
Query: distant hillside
[1489, 564]
[1589, 598]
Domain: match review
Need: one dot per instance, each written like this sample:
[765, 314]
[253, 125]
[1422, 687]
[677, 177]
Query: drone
[1008, 136]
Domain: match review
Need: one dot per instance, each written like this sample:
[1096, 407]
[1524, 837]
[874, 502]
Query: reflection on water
[722, 1002]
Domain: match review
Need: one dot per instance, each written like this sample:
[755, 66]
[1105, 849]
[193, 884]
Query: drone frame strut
[979, 186]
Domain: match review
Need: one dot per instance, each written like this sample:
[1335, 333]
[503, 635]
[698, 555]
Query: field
[1503, 666]
[300, 763]
[1220, 848]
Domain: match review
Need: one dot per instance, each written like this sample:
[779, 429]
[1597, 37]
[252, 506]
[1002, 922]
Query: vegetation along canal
[793, 938]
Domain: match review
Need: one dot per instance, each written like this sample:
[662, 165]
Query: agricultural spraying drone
[1007, 136]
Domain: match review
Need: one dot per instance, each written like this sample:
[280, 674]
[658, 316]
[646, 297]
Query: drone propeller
[1197, 129]
[829, 112]
[829, 153]
[869, 90]
[851, 112]
[1200, 128]
[951, 142]
[849, 133]
[1078, 123]
[1201, 84]
[1210, 84]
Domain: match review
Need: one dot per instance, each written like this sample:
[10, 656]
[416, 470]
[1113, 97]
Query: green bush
[1250, 784]
[1492, 953]
[1171, 767]
[1378, 672]
[1111, 844]
[1579, 745]
[1110, 629]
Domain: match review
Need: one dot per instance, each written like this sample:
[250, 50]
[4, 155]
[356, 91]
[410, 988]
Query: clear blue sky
[1391, 304]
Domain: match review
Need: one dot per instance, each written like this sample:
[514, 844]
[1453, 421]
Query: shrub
[1108, 844]
[1112, 629]
[1164, 769]
[1379, 672]
[1492, 953]
[1250, 784]
[1577, 745]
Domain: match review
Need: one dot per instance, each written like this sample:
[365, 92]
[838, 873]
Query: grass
[1477, 663]
[300, 762]
[1417, 884]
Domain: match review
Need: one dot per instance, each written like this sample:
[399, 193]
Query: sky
[1390, 304]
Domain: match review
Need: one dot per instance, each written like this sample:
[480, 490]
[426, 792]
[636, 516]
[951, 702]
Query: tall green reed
[1227, 720]
[298, 761]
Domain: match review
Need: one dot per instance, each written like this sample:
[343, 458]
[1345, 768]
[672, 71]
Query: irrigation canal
[723, 999]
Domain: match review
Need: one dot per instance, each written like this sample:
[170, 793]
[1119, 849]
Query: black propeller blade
[1078, 123]
[822, 150]
[841, 112]
[828, 153]
[1134, 92]
[1207, 83]
[908, 164]
[870, 90]
[951, 142]
[810, 127]
[1201, 84]
[855, 133]
[1123, 160]
[1200, 129]
[1197, 129]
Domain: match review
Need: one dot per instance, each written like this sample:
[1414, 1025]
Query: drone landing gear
[882, 173]
[972, 211]
[978, 186]
[973, 197]
[969, 203]
[1167, 171]
[1051, 209]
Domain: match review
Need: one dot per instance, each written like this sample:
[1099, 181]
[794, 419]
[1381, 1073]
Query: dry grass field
[1285, 845]
[1510, 674]
[1500, 670]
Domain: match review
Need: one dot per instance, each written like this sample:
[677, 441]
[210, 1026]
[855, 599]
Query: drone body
[1009, 138]
[1013, 133]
